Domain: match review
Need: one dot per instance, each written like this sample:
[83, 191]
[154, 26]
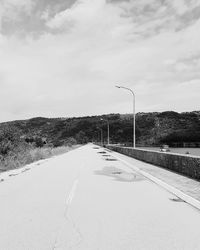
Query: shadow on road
[119, 174]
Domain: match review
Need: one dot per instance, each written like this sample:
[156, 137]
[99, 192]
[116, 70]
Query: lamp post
[101, 135]
[108, 129]
[133, 94]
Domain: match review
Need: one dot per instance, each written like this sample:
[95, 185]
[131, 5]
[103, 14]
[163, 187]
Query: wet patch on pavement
[95, 148]
[107, 156]
[13, 174]
[177, 199]
[101, 152]
[119, 174]
[111, 159]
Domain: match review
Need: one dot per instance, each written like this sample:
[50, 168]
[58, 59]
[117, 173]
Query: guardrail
[184, 164]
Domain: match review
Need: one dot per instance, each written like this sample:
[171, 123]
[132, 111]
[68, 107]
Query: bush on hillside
[22, 158]
[9, 140]
[39, 143]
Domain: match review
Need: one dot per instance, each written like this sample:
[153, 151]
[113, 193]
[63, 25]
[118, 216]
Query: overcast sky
[61, 58]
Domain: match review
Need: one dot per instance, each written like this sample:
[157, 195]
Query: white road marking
[71, 195]
[59, 239]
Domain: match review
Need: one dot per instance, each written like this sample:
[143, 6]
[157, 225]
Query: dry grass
[31, 155]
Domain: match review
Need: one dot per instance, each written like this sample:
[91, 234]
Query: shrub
[19, 159]
[9, 140]
[39, 143]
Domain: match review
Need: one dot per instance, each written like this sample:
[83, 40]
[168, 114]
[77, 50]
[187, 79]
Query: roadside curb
[188, 199]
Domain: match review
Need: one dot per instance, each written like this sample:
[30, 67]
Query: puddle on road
[13, 174]
[95, 148]
[110, 159]
[119, 174]
[177, 199]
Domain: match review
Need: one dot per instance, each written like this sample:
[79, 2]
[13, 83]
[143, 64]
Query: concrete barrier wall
[183, 164]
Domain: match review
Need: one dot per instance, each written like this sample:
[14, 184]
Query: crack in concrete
[68, 219]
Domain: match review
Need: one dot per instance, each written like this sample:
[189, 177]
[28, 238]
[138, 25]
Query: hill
[175, 129]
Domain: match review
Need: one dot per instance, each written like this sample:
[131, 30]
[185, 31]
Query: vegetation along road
[87, 199]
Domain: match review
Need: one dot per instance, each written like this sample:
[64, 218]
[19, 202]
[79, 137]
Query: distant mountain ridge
[152, 128]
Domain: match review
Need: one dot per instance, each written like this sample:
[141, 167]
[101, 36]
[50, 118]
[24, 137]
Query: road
[88, 200]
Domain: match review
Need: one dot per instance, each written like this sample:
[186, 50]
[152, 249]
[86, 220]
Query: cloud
[179, 6]
[12, 12]
[28, 17]
[80, 11]
[85, 48]
[86, 15]
[12, 9]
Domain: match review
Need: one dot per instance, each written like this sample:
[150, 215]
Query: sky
[63, 58]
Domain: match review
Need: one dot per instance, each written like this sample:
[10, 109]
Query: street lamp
[101, 135]
[108, 129]
[133, 94]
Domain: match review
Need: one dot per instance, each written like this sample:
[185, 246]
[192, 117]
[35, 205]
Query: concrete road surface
[88, 200]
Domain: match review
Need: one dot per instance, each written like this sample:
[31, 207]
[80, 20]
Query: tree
[81, 137]
[39, 143]
[70, 141]
[9, 139]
